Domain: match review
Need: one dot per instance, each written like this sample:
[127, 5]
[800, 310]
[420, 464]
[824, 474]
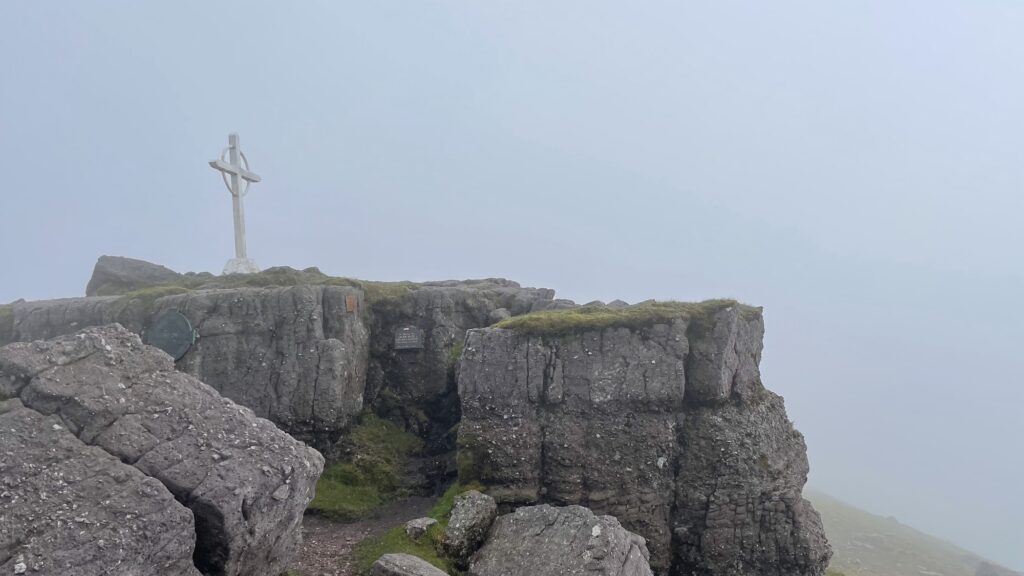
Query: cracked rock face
[246, 482]
[667, 427]
[295, 355]
[548, 541]
[72, 509]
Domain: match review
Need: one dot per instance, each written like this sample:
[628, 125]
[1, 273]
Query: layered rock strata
[664, 425]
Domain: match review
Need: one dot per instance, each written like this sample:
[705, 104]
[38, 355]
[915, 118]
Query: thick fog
[855, 167]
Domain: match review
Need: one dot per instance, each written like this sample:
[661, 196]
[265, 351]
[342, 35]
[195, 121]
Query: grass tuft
[396, 541]
[455, 354]
[375, 292]
[584, 318]
[350, 490]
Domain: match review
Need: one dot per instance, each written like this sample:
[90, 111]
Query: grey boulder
[471, 518]
[74, 510]
[404, 565]
[117, 275]
[416, 528]
[548, 541]
[246, 482]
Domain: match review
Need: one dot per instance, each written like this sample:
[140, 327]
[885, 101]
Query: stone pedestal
[241, 266]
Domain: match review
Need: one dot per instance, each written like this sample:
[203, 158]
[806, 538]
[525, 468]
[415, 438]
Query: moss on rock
[427, 547]
[350, 489]
[597, 317]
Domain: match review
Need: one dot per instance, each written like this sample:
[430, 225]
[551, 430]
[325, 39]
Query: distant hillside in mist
[868, 545]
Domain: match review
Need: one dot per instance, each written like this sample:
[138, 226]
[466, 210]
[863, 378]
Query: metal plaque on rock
[172, 333]
[408, 338]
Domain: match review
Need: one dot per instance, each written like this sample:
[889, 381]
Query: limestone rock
[45, 319]
[548, 541]
[471, 518]
[416, 528]
[117, 275]
[416, 388]
[75, 510]
[667, 427]
[404, 565]
[295, 355]
[246, 482]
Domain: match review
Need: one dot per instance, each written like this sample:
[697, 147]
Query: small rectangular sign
[351, 301]
[408, 338]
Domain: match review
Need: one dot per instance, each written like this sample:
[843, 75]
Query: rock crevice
[667, 427]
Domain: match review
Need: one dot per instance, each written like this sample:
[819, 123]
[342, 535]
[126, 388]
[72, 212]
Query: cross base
[241, 266]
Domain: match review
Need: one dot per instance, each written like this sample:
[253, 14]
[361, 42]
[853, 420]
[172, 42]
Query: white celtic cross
[234, 165]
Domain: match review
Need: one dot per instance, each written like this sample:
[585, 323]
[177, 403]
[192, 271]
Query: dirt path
[327, 545]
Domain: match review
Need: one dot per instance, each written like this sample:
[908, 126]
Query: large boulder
[117, 275]
[549, 541]
[246, 482]
[75, 510]
[404, 565]
[663, 424]
[471, 518]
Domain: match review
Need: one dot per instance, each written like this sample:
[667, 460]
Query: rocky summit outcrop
[117, 275]
[654, 414]
[549, 541]
[303, 349]
[296, 355]
[245, 482]
[71, 509]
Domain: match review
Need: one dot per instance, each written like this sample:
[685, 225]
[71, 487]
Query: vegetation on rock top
[375, 292]
[349, 490]
[584, 318]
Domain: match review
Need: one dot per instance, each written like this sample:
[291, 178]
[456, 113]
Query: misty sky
[854, 166]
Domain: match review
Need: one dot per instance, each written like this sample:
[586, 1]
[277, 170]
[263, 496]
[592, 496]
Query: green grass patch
[351, 489]
[584, 318]
[375, 292]
[150, 295]
[455, 354]
[396, 541]
[470, 459]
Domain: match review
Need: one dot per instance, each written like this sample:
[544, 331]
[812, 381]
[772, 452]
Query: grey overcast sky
[854, 166]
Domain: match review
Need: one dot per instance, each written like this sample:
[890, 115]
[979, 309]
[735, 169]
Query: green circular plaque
[172, 333]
